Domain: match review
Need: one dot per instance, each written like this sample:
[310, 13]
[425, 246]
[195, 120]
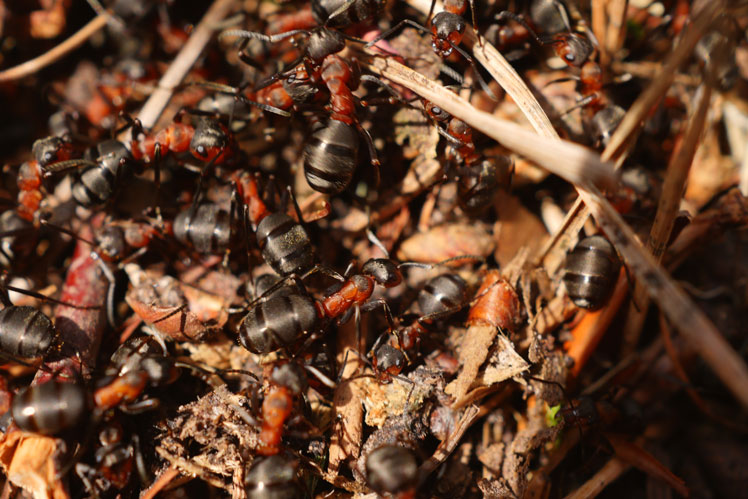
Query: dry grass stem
[576, 164]
[608, 474]
[183, 62]
[616, 30]
[348, 433]
[599, 28]
[450, 443]
[689, 319]
[38, 63]
[633, 120]
[669, 205]
[503, 73]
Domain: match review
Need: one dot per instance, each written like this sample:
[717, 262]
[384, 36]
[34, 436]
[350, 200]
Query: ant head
[50, 149]
[299, 87]
[111, 242]
[384, 271]
[573, 49]
[210, 139]
[446, 32]
[436, 112]
[388, 360]
[324, 42]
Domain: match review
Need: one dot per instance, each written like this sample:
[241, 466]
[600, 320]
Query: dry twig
[38, 63]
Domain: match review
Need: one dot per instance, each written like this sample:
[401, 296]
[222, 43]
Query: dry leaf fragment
[447, 241]
[505, 363]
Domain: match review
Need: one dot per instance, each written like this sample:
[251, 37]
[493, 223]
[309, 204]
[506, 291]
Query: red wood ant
[46, 151]
[447, 30]
[479, 176]
[281, 319]
[440, 297]
[331, 153]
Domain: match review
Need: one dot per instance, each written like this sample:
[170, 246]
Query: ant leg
[110, 289]
[272, 289]
[385, 86]
[140, 407]
[321, 376]
[475, 23]
[4, 295]
[85, 473]
[380, 302]
[374, 160]
[62, 166]
[247, 35]
[582, 103]
[421, 265]
[143, 474]
[482, 82]
[396, 27]
[345, 6]
[431, 10]
[325, 270]
[508, 15]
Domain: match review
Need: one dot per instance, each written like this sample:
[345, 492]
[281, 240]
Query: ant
[576, 51]
[440, 297]
[281, 319]
[47, 151]
[27, 333]
[58, 405]
[109, 164]
[331, 153]
[447, 30]
[495, 304]
[330, 13]
[479, 176]
[273, 476]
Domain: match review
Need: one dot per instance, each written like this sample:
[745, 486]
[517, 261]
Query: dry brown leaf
[505, 363]
[447, 241]
[28, 461]
[517, 227]
[475, 347]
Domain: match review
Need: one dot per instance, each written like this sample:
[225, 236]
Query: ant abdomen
[277, 322]
[98, 184]
[331, 157]
[591, 271]
[285, 245]
[26, 332]
[206, 228]
[51, 407]
[442, 293]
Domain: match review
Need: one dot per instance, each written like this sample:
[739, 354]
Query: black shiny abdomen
[285, 245]
[25, 332]
[331, 157]
[51, 407]
[442, 293]
[206, 228]
[591, 271]
[278, 322]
